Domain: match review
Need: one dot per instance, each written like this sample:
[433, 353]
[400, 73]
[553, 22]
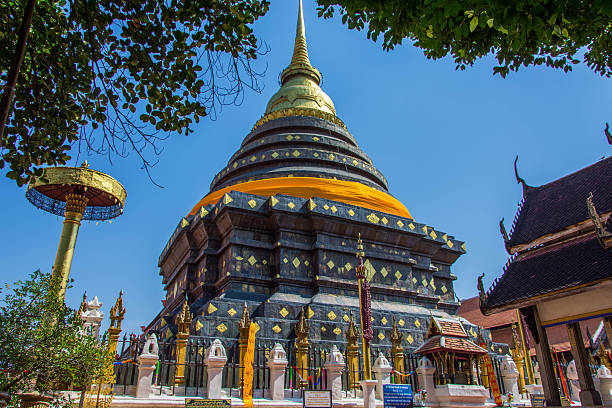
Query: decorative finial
[519, 179]
[502, 230]
[481, 292]
[184, 318]
[360, 269]
[351, 332]
[245, 320]
[83, 306]
[85, 165]
[604, 231]
[607, 132]
[302, 329]
[396, 336]
[117, 312]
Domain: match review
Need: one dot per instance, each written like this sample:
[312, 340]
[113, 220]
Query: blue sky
[445, 140]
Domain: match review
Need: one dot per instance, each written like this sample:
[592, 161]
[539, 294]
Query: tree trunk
[9, 90]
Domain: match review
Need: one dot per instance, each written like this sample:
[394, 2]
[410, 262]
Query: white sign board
[317, 399]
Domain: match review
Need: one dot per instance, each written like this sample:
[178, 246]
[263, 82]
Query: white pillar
[277, 362]
[334, 364]
[425, 371]
[510, 375]
[92, 317]
[605, 385]
[215, 361]
[369, 396]
[572, 376]
[147, 361]
[382, 371]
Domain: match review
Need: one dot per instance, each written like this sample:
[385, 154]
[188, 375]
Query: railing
[126, 368]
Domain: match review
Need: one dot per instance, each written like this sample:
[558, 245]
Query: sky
[445, 140]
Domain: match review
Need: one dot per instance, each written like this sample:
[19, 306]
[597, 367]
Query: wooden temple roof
[559, 204]
[549, 270]
[446, 327]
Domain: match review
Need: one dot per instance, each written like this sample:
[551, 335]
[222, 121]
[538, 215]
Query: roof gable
[561, 203]
[445, 327]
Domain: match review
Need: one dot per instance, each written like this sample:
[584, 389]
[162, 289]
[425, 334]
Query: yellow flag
[247, 390]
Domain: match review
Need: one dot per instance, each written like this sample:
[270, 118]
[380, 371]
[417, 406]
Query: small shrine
[452, 353]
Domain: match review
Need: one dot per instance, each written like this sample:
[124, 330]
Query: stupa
[278, 230]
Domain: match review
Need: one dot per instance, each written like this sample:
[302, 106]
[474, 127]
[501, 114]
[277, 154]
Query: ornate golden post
[398, 352]
[75, 207]
[68, 191]
[365, 338]
[301, 332]
[183, 321]
[243, 328]
[484, 374]
[517, 355]
[116, 317]
[603, 356]
[526, 356]
[352, 354]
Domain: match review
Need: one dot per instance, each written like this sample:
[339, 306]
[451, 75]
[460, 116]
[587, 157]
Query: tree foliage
[119, 75]
[557, 33]
[42, 342]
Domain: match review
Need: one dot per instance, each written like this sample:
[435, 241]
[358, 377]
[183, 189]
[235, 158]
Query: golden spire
[300, 49]
[300, 93]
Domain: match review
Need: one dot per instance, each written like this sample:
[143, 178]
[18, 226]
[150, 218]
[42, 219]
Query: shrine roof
[561, 203]
[580, 262]
[447, 327]
[449, 343]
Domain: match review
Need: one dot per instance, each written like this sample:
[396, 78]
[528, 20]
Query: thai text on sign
[397, 395]
[208, 403]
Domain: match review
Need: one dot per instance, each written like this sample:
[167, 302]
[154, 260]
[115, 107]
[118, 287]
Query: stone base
[457, 396]
[534, 389]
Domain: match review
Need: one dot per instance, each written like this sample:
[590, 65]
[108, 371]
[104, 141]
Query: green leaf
[473, 23]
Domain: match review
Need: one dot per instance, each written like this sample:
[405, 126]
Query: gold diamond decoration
[253, 158]
[222, 328]
[252, 260]
[326, 207]
[337, 331]
[425, 229]
[168, 333]
[291, 205]
[330, 264]
[285, 260]
[398, 275]
[211, 308]
[384, 272]
[370, 271]
[198, 325]
[323, 329]
[334, 209]
[273, 201]
[289, 137]
[235, 165]
[315, 138]
[424, 282]
[331, 315]
[296, 153]
[252, 203]
[311, 205]
[409, 339]
[463, 246]
[257, 327]
[431, 283]
[348, 266]
[275, 155]
[417, 323]
[433, 234]
[384, 220]
[316, 154]
[400, 224]
[306, 262]
[401, 322]
[443, 289]
[231, 312]
[227, 199]
[381, 336]
[345, 318]
[351, 212]
[449, 243]
[414, 280]
[310, 312]
[203, 212]
[373, 218]
[283, 312]
[411, 225]
[296, 262]
[383, 320]
[331, 156]
[276, 329]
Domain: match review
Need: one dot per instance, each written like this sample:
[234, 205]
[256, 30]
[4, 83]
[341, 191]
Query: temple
[277, 234]
[559, 272]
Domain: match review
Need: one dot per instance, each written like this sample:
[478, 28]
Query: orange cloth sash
[348, 192]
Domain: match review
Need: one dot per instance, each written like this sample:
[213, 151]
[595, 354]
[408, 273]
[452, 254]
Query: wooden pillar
[588, 394]
[547, 371]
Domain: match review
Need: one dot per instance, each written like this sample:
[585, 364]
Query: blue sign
[397, 396]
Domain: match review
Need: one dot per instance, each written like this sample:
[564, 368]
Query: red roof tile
[445, 343]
